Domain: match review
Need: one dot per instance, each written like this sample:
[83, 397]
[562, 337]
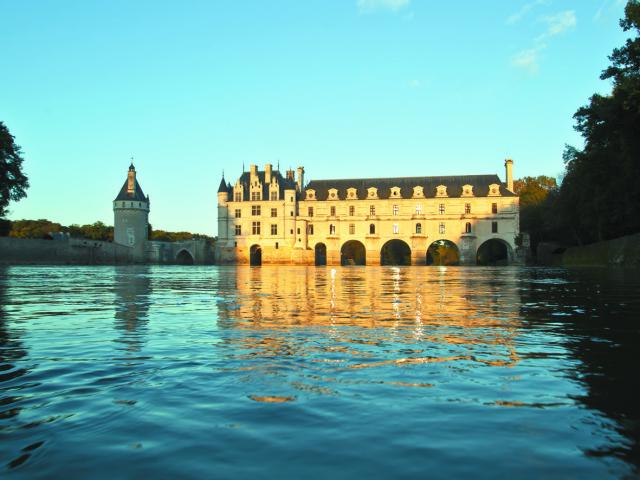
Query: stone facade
[267, 218]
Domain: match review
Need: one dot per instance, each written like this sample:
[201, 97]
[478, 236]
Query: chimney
[508, 165]
[300, 178]
[267, 173]
[131, 180]
[290, 175]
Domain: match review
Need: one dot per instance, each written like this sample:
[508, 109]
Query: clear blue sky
[346, 88]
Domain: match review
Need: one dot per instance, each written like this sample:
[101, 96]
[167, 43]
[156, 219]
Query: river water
[317, 372]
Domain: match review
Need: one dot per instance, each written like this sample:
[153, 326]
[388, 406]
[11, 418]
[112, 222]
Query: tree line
[599, 196]
[46, 229]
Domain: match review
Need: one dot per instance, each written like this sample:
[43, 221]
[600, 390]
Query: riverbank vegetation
[599, 196]
[46, 229]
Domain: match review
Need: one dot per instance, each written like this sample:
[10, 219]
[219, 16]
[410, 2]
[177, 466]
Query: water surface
[404, 372]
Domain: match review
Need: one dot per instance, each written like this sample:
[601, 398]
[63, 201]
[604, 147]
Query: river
[319, 372]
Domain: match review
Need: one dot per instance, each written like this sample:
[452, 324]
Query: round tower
[131, 216]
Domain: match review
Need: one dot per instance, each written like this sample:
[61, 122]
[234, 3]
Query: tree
[536, 194]
[600, 195]
[13, 183]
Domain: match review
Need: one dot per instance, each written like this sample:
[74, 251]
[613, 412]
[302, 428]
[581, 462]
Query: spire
[223, 186]
[131, 167]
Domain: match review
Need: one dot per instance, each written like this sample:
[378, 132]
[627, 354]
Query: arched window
[372, 229]
[467, 227]
[418, 228]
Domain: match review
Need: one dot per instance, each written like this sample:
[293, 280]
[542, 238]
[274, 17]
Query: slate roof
[138, 194]
[223, 187]
[454, 185]
[283, 182]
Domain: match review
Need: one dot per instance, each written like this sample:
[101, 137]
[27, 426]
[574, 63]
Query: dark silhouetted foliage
[600, 195]
[13, 183]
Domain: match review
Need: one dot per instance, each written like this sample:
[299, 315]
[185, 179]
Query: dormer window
[333, 194]
[494, 190]
[467, 190]
[311, 194]
[372, 192]
[352, 193]
[395, 192]
[418, 192]
[441, 191]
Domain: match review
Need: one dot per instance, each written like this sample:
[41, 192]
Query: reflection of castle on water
[132, 287]
[434, 306]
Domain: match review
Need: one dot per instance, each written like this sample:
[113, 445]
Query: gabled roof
[137, 195]
[454, 186]
[283, 183]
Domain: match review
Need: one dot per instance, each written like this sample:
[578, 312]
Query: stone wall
[15, 251]
[619, 252]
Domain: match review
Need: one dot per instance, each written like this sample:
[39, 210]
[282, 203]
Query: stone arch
[494, 251]
[255, 255]
[320, 254]
[184, 257]
[443, 252]
[395, 252]
[353, 253]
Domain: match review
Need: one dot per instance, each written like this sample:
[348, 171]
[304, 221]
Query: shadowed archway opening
[493, 252]
[395, 252]
[255, 255]
[443, 252]
[321, 254]
[184, 258]
[353, 253]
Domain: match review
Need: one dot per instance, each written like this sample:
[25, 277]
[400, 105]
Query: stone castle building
[268, 218]
[131, 228]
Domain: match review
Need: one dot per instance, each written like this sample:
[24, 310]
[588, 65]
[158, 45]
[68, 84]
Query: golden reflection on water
[417, 307]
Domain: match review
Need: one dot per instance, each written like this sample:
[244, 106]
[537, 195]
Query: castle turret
[223, 209]
[131, 216]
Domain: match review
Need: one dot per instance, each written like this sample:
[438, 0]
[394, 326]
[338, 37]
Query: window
[139, 204]
[131, 204]
[332, 229]
[467, 208]
[352, 210]
[255, 196]
[441, 228]
[237, 196]
[441, 209]
[291, 213]
[298, 230]
[276, 245]
[310, 229]
[238, 213]
[419, 209]
[352, 228]
[274, 229]
[274, 212]
[494, 227]
[418, 228]
[291, 199]
[494, 208]
[396, 228]
[333, 211]
[372, 229]
[467, 227]
[396, 209]
[255, 228]
[255, 210]
[310, 212]
[372, 209]
[238, 230]
[273, 195]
